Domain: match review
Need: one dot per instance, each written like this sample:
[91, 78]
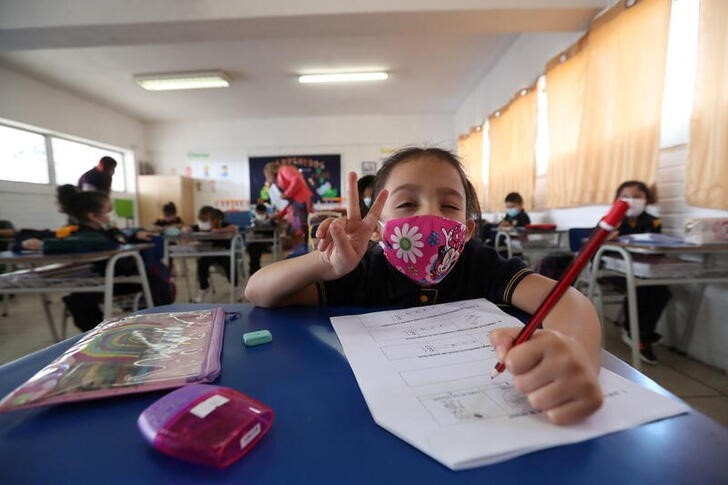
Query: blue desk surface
[323, 432]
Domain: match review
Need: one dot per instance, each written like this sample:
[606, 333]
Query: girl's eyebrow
[450, 191]
[410, 187]
[440, 190]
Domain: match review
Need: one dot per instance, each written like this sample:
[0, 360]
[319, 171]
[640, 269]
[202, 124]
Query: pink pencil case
[205, 424]
[127, 355]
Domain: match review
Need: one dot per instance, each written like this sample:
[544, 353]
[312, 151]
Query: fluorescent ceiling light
[343, 77]
[182, 80]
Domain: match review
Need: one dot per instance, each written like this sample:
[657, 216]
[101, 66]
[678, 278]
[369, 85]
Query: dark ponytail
[78, 204]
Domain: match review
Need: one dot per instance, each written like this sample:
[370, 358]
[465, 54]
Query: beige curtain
[624, 69]
[512, 151]
[707, 169]
[470, 151]
[564, 94]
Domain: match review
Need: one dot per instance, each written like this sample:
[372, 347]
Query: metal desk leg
[634, 323]
[693, 308]
[109, 281]
[49, 316]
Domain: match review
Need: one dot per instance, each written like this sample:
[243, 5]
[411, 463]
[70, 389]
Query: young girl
[424, 214]
[169, 218]
[212, 220]
[652, 300]
[91, 211]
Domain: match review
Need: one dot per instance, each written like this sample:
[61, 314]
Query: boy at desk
[212, 220]
[424, 213]
[515, 215]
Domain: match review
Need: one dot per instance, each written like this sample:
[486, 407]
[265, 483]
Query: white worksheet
[425, 375]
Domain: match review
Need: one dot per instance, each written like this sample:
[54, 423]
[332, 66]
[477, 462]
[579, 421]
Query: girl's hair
[472, 207]
[217, 214]
[79, 204]
[205, 211]
[641, 186]
[169, 209]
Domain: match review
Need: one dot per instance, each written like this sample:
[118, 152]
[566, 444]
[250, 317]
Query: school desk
[193, 246]
[269, 235]
[547, 240]
[323, 432]
[705, 273]
[68, 273]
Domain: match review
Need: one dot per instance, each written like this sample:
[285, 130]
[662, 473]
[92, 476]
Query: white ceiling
[435, 57]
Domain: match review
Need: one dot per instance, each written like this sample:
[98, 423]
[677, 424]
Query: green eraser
[256, 338]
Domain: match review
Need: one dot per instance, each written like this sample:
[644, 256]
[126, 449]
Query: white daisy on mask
[407, 243]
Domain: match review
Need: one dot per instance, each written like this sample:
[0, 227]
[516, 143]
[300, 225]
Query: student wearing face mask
[515, 215]
[651, 300]
[212, 220]
[91, 210]
[366, 189]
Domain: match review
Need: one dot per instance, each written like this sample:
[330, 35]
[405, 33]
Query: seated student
[423, 204]
[169, 217]
[365, 186]
[211, 220]
[7, 231]
[91, 209]
[651, 300]
[261, 223]
[515, 215]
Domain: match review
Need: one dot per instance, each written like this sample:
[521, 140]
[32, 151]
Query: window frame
[50, 156]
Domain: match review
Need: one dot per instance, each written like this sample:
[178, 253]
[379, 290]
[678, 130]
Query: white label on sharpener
[209, 405]
[249, 436]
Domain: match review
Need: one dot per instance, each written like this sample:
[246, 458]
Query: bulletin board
[321, 172]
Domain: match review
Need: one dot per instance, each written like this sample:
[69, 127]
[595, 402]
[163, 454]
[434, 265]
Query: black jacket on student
[520, 220]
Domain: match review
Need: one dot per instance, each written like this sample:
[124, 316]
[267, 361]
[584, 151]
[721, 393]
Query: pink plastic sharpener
[205, 424]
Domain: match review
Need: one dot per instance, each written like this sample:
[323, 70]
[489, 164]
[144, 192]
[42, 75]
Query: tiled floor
[706, 388]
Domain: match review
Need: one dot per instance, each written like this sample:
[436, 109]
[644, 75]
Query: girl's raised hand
[343, 241]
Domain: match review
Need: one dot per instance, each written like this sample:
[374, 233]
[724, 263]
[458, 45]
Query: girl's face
[632, 192]
[426, 186]
[101, 218]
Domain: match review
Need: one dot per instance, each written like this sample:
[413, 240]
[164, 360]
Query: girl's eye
[451, 207]
[405, 205]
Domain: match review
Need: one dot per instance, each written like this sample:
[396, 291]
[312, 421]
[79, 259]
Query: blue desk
[323, 432]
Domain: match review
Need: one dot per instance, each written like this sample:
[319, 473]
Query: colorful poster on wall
[321, 172]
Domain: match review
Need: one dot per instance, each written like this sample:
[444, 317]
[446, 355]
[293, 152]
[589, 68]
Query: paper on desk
[424, 373]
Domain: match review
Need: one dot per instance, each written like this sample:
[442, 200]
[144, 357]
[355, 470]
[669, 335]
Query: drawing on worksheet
[496, 400]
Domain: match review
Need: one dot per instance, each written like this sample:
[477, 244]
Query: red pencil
[608, 224]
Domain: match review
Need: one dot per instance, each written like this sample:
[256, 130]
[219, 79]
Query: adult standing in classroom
[290, 181]
[99, 177]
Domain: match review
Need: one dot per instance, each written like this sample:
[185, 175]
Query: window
[73, 159]
[23, 156]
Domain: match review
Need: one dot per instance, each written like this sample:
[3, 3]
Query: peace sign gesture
[344, 240]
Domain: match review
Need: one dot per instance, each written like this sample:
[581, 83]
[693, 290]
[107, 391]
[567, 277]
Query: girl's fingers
[341, 242]
[352, 206]
[324, 227]
[573, 411]
[549, 397]
[370, 221]
[524, 357]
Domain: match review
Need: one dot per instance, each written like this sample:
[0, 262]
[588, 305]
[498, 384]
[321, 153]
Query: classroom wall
[26, 100]
[173, 146]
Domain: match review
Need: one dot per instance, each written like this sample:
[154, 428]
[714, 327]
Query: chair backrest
[239, 218]
[577, 235]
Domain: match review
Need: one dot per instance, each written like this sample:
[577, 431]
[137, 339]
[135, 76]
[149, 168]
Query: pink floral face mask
[424, 248]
